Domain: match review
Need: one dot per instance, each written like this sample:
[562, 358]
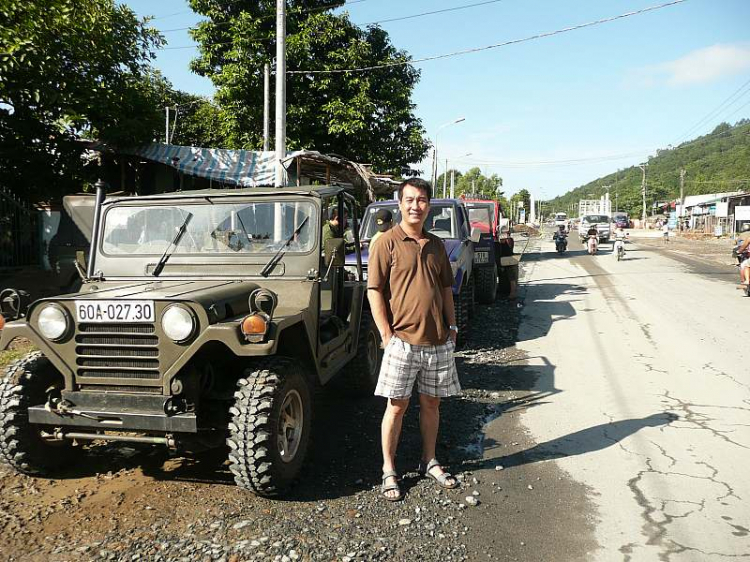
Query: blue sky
[554, 113]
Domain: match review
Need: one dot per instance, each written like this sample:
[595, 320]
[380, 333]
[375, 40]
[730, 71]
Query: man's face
[414, 206]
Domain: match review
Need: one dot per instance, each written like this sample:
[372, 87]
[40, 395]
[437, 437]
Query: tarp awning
[255, 168]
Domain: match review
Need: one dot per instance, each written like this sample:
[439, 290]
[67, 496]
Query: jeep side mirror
[334, 252]
[475, 235]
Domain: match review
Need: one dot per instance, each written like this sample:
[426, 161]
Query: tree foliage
[70, 69]
[714, 163]
[472, 183]
[366, 116]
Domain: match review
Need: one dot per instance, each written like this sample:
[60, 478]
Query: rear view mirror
[475, 235]
[334, 252]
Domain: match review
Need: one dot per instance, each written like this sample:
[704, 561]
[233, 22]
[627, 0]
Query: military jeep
[205, 319]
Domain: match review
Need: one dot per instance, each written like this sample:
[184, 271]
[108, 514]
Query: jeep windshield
[481, 215]
[260, 227]
[440, 221]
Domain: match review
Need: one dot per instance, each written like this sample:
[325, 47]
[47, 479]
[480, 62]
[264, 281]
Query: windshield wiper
[173, 244]
[275, 259]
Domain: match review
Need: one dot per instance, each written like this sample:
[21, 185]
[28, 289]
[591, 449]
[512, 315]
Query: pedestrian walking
[409, 289]
[665, 232]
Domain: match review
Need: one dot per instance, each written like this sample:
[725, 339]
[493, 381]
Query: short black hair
[419, 183]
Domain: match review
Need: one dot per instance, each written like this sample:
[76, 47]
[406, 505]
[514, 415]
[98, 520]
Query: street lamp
[435, 151]
[445, 176]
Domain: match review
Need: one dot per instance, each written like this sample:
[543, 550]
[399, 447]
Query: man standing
[409, 289]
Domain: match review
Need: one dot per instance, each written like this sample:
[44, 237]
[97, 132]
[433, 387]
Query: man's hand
[453, 335]
[386, 337]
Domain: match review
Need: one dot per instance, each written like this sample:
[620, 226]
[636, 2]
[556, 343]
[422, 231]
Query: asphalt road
[642, 396]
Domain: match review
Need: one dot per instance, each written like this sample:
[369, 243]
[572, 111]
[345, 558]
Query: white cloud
[704, 65]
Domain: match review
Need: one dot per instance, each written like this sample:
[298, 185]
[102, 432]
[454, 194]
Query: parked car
[602, 223]
[206, 319]
[449, 220]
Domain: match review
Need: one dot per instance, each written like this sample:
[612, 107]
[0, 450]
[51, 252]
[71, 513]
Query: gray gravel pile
[142, 505]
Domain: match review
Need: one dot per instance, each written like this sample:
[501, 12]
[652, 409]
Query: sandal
[385, 488]
[446, 479]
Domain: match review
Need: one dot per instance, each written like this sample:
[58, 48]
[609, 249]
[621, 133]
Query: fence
[19, 231]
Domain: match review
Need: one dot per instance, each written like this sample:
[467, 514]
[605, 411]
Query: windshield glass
[561, 216]
[480, 216]
[220, 228]
[440, 221]
[596, 218]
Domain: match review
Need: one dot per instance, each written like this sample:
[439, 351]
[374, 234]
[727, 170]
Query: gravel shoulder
[136, 503]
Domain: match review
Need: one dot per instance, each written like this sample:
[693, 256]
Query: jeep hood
[453, 247]
[227, 298]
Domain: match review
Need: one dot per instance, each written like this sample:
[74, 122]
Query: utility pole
[266, 107]
[445, 179]
[453, 183]
[280, 91]
[643, 193]
[166, 134]
[682, 195]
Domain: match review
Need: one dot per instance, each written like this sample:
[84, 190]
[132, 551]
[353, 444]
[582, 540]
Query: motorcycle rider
[619, 240]
[744, 253]
[560, 238]
[593, 239]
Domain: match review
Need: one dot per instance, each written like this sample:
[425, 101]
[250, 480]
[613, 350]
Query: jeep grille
[109, 352]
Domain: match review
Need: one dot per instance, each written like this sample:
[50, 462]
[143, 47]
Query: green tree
[365, 116]
[476, 183]
[70, 70]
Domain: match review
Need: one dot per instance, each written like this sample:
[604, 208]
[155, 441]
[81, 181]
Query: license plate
[481, 257]
[115, 311]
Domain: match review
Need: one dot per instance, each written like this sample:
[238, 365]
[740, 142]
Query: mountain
[716, 162]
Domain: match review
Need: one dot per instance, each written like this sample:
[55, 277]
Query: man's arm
[449, 310]
[744, 246]
[380, 314]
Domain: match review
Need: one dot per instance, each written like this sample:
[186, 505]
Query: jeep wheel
[27, 382]
[270, 424]
[486, 288]
[462, 314]
[360, 377]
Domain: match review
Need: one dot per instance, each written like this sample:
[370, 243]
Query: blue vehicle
[448, 220]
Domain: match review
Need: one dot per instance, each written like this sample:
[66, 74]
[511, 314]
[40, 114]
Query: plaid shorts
[432, 366]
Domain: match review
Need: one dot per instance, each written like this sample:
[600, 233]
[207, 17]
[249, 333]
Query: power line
[488, 47]
[716, 110]
[594, 159]
[455, 8]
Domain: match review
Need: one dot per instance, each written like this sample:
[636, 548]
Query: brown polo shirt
[411, 274]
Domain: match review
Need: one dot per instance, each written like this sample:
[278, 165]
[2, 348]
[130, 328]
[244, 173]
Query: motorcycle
[619, 249]
[561, 244]
[593, 244]
[740, 258]
[619, 246]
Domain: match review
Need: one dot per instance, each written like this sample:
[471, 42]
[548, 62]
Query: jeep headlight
[53, 322]
[178, 323]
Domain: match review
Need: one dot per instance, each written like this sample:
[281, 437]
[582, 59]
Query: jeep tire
[486, 281]
[26, 383]
[360, 376]
[269, 430]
